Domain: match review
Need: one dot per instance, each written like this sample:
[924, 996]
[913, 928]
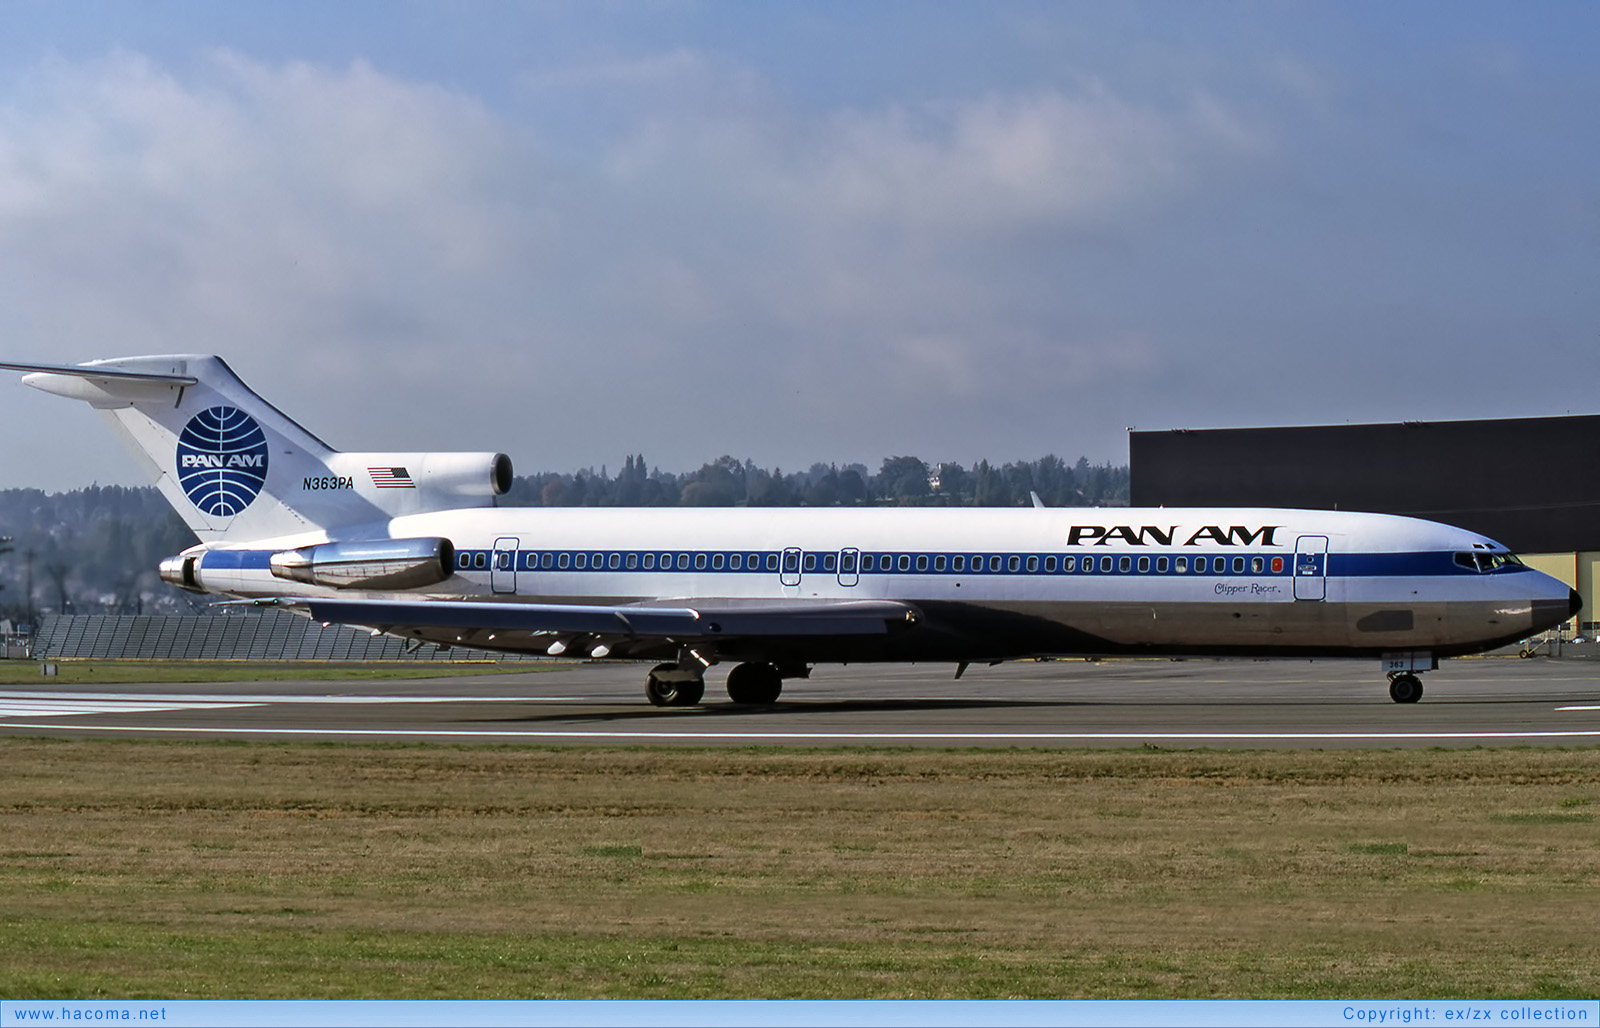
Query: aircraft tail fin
[236, 468]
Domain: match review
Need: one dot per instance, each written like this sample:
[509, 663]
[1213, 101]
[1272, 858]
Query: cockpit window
[1486, 562]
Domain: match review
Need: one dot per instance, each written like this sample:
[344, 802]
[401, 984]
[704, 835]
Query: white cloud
[878, 235]
[246, 205]
[1001, 163]
[342, 229]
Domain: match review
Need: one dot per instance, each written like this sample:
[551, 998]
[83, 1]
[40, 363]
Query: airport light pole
[28, 585]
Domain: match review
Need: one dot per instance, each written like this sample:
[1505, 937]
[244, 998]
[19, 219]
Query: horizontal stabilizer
[92, 371]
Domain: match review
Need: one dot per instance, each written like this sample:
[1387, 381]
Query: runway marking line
[47, 708]
[248, 699]
[818, 736]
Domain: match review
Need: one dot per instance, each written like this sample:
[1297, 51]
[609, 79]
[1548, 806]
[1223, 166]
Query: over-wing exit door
[789, 573]
[503, 566]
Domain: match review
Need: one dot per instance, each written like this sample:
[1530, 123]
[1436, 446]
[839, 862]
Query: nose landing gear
[1405, 688]
[1403, 668]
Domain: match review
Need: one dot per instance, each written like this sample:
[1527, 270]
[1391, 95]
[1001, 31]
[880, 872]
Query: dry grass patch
[289, 870]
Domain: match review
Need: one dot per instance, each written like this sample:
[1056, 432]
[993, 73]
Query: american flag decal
[391, 478]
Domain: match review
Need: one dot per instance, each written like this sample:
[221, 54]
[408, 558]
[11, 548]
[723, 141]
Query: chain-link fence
[264, 635]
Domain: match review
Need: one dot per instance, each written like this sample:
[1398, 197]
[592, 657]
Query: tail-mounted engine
[418, 483]
[371, 564]
[380, 564]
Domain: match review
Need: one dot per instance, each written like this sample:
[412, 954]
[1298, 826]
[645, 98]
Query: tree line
[91, 550]
[95, 550]
[900, 481]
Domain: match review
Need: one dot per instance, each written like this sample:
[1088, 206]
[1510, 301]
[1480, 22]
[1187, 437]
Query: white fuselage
[413, 544]
[991, 583]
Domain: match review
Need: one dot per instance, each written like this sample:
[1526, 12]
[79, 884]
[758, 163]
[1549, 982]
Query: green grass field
[247, 870]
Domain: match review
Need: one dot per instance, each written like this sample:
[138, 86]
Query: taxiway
[1123, 703]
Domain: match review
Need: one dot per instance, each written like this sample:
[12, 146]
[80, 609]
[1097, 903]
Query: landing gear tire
[754, 683]
[1405, 688]
[667, 688]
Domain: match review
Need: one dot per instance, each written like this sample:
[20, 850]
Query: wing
[620, 631]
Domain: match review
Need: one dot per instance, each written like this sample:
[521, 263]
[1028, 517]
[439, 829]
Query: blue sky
[799, 232]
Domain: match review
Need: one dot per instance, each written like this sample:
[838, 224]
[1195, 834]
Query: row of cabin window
[847, 563]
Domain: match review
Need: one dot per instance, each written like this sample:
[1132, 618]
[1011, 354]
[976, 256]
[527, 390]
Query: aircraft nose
[1574, 603]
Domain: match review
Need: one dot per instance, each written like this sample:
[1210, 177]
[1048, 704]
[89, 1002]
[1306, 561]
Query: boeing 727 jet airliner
[413, 544]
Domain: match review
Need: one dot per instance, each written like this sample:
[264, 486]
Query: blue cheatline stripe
[965, 563]
[979, 564]
[237, 560]
[1386, 565]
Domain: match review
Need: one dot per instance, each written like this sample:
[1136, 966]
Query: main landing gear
[671, 685]
[674, 685]
[754, 683]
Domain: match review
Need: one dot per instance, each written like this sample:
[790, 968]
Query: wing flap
[689, 622]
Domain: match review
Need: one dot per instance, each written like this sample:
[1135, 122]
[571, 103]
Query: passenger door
[1311, 567]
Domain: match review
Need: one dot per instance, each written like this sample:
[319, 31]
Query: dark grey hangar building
[1530, 483]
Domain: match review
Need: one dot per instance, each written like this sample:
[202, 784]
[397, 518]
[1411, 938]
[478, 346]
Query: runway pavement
[1171, 704]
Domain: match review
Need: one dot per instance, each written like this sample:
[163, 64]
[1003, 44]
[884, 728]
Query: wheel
[666, 688]
[663, 692]
[1405, 688]
[754, 683]
[660, 693]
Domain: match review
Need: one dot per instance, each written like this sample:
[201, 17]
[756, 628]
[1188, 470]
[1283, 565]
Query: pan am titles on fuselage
[413, 544]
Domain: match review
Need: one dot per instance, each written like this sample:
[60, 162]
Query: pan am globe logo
[222, 461]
